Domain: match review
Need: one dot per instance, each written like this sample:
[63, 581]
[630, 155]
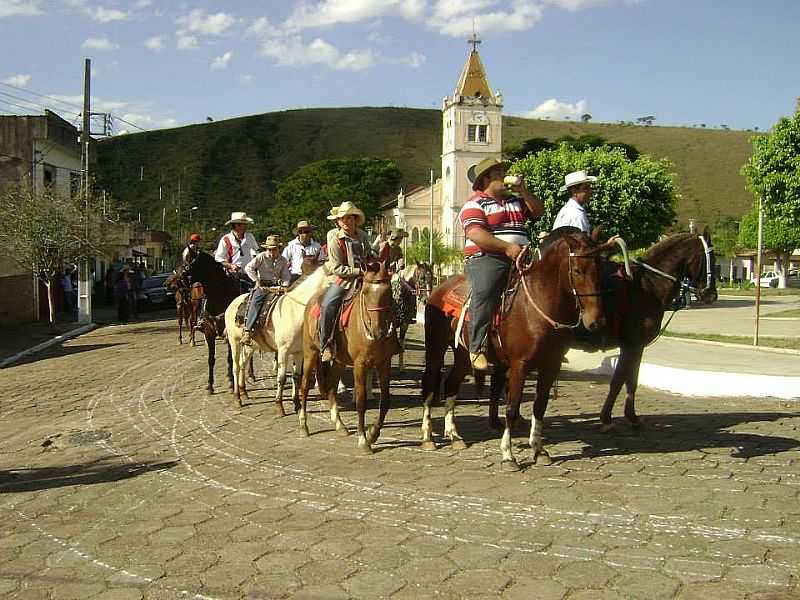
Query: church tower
[472, 126]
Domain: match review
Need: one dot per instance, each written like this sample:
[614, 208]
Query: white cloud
[458, 19]
[221, 62]
[143, 120]
[20, 8]
[143, 3]
[186, 42]
[245, 79]
[576, 5]
[261, 28]
[201, 23]
[17, 80]
[331, 12]
[154, 43]
[106, 15]
[292, 51]
[554, 109]
[413, 60]
[102, 43]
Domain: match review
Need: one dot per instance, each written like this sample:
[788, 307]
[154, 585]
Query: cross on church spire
[474, 40]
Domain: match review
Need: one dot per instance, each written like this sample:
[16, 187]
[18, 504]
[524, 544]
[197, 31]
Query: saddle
[617, 305]
[345, 310]
[266, 310]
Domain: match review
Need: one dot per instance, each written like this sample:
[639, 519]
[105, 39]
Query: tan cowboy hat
[398, 233]
[272, 241]
[347, 208]
[475, 171]
[303, 225]
[239, 217]
[576, 178]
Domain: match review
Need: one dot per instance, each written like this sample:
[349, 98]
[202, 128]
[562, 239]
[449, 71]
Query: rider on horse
[395, 252]
[237, 248]
[299, 248]
[348, 249]
[192, 248]
[573, 213]
[494, 225]
[268, 270]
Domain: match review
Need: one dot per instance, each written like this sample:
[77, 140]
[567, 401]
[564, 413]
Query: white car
[768, 279]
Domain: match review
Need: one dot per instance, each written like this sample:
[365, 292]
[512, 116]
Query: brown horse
[367, 342]
[221, 290]
[183, 305]
[554, 295]
[658, 276]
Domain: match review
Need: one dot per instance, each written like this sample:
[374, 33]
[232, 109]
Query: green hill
[236, 164]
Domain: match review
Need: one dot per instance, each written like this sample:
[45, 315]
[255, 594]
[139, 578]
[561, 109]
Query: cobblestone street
[121, 478]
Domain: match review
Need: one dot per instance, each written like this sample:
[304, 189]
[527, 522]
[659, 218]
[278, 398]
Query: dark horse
[554, 295]
[187, 302]
[220, 291]
[658, 276]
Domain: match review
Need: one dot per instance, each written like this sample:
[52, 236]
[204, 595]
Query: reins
[364, 311]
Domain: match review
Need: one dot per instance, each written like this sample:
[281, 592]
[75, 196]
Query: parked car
[768, 279]
[153, 293]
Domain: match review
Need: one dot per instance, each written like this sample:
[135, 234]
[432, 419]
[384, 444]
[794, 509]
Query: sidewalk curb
[677, 338]
[51, 342]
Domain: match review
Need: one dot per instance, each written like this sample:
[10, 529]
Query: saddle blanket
[344, 316]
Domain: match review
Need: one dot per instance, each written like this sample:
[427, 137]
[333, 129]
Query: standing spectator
[66, 287]
[300, 247]
[121, 294]
[110, 279]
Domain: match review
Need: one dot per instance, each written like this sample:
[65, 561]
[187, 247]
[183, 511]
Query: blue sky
[161, 64]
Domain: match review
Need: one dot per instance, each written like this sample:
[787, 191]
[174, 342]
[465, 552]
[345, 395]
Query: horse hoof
[343, 431]
[372, 434]
[509, 466]
[428, 445]
[459, 445]
[304, 433]
[636, 423]
[366, 449]
[542, 459]
[280, 413]
[607, 427]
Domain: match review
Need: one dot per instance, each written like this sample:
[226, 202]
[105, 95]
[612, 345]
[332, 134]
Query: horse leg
[251, 374]
[229, 374]
[211, 340]
[281, 360]
[436, 342]
[498, 383]
[178, 310]
[243, 355]
[451, 386]
[192, 321]
[310, 361]
[297, 373]
[384, 371]
[516, 380]
[360, 392]
[544, 382]
[631, 383]
[617, 379]
[401, 337]
[370, 381]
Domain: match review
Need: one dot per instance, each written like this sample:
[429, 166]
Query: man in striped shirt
[494, 225]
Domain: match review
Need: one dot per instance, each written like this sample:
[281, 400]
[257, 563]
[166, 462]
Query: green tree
[725, 234]
[311, 191]
[634, 198]
[529, 146]
[443, 255]
[779, 237]
[48, 232]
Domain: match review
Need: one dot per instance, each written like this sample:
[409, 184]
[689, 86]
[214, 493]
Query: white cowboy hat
[347, 208]
[239, 217]
[576, 178]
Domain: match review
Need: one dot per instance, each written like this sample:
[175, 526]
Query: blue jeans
[488, 275]
[254, 309]
[329, 310]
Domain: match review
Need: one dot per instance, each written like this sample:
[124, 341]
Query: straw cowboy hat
[398, 234]
[576, 178]
[272, 241]
[303, 225]
[239, 217]
[347, 208]
[475, 171]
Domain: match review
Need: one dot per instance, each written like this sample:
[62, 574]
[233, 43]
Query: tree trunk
[730, 273]
[51, 300]
[782, 262]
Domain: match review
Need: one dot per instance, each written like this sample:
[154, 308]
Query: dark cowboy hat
[475, 171]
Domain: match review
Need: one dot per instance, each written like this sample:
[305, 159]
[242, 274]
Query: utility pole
[758, 268]
[85, 281]
[430, 235]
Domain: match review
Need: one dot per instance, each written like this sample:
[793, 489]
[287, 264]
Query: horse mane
[666, 246]
[306, 288]
[559, 234]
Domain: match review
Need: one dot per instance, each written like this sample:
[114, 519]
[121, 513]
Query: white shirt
[240, 254]
[573, 214]
[295, 251]
[265, 268]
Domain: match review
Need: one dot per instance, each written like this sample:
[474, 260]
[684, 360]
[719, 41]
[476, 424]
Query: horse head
[701, 268]
[376, 299]
[578, 262]
[423, 276]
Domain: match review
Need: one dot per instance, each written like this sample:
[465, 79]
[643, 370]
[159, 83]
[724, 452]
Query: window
[477, 133]
[49, 174]
[414, 235]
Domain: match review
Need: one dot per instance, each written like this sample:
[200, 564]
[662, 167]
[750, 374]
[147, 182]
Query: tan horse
[282, 334]
[368, 342]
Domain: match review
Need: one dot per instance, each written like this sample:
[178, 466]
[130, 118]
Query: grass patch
[792, 312]
[744, 340]
[723, 291]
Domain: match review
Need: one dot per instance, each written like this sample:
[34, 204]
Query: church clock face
[479, 117]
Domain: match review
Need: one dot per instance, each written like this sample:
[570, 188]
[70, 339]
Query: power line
[54, 99]
[32, 104]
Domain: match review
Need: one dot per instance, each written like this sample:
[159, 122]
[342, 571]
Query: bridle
[523, 268]
[683, 286]
[364, 311]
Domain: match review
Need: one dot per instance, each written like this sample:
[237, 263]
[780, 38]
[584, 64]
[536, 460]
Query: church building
[472, 125]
